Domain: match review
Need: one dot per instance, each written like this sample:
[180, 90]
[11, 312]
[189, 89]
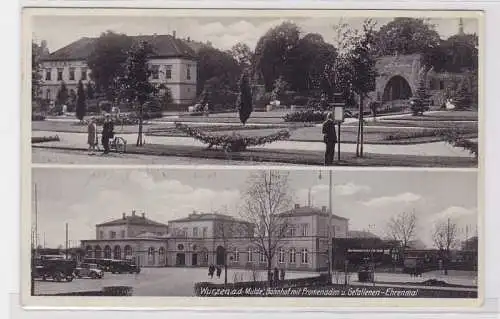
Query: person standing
[330, 139]
[107, 133]
[92, 136]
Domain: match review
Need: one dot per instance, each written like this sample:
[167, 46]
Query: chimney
[323, 209]
[133, 213]
[297, 205]
[173, 34]
[143, 215]
[189, 39]
[123, 216]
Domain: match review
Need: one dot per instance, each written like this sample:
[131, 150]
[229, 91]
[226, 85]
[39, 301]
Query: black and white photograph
[222, 87]
[254, 233]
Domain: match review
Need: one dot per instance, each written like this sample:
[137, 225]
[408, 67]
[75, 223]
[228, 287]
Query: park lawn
[425, 124]
[444, 116]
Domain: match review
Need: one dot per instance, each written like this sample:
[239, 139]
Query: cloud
[350, 189]
[389, 200]
[455, 213]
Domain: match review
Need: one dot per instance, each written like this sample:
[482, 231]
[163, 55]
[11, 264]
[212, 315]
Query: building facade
[201, 239]
[173, 64]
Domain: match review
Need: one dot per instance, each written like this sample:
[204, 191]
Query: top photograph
[344, 88]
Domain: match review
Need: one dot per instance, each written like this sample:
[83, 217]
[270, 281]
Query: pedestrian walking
[107, 133]
[92, 136]
[219, 271]
[329, 138]
[282, 274]
[276, 275]
[211, 270]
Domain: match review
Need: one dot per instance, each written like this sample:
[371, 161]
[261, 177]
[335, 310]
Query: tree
[245, 98]
[274, 53]
[107, 62]
[265, 199]
[62, 94]
[243, 55]
[462, 97]
[445, 238]
[81, 105]
[215, 64]
[406, 36]
[134, 85]
[357, 67]
[402, 228]
[90, 90]
[36, 77]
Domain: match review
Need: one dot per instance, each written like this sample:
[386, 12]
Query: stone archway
[220, 255]
[397, 88]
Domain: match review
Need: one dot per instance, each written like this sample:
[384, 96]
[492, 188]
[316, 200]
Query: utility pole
[66, 240]
[330, 188]
[34, 245]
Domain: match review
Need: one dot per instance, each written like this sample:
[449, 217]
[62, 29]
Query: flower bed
[43, 139]
[403, 135]
[233, 142]
[305, 116]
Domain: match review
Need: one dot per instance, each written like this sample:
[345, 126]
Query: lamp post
[370, 227]
[329, 223]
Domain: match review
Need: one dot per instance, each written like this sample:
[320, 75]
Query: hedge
[43, 139]
[305, 116]
[233, 142]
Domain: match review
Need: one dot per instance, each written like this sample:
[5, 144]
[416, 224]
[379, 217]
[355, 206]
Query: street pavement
[180, 281]
[78, 140]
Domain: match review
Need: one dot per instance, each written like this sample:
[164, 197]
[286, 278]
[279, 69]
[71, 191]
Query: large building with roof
[174, 64]
[200, 239]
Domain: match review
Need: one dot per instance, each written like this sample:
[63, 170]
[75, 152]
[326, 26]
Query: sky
[222, 32]
[85, 197]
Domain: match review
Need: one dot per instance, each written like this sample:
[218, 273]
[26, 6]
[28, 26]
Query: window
[128, 251]
[236, 256]
[292, 256]
[281, 256]
[195, 232]
[262, 257]
[168, 71]
[71, 74]
[441, 85]
[59, 74]
[123, 234]
[205, 232]
[188, 72]
[250, 255]
[107, 252]
[83, 76]
[48, 75]
[117, 252]
[304, 256]
[155, 72]
[185, 232]
[101, 234]
[151, 256]
[161, 253]
[305, 228]
[112, 234]
[292, 231]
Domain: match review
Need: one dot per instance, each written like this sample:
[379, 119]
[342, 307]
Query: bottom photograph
[254, 233]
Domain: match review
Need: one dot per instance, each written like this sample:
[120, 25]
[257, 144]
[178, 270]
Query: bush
[234, 142]
[305, 116]
[38, 117]
[43, 139]
[117, 291]
[300, 100]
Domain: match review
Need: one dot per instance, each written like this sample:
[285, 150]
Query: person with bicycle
[107, 133]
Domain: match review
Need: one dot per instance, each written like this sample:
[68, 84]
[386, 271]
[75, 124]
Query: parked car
[124, 266]
[56, 269]
[89, 271]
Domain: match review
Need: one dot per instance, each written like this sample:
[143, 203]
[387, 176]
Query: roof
[165, 46]
[309, 211]
[132, 220]
[207, 217]
[360, 234]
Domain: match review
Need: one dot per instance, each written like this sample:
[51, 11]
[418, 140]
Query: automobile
[56, 269]
[124, 266]
[88, 271]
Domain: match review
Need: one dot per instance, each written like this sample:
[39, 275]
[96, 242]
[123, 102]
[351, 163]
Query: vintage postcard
[254, 87]
[251, 158]
[253, 234]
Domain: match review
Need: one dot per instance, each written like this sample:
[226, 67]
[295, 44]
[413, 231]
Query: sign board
[338, 114]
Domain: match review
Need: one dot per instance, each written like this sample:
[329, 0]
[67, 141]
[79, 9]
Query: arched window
[107, 251]
[262, 257]
[151, 256]
[292, 255]
[161, 253]
[250, 255]
[281, 256]
[204, 256]
[304, 256]
[117, 252]
[98, 251]
[128, 251]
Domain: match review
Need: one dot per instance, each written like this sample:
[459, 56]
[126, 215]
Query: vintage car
[124, 266]
[55, 269]
[88, 271]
